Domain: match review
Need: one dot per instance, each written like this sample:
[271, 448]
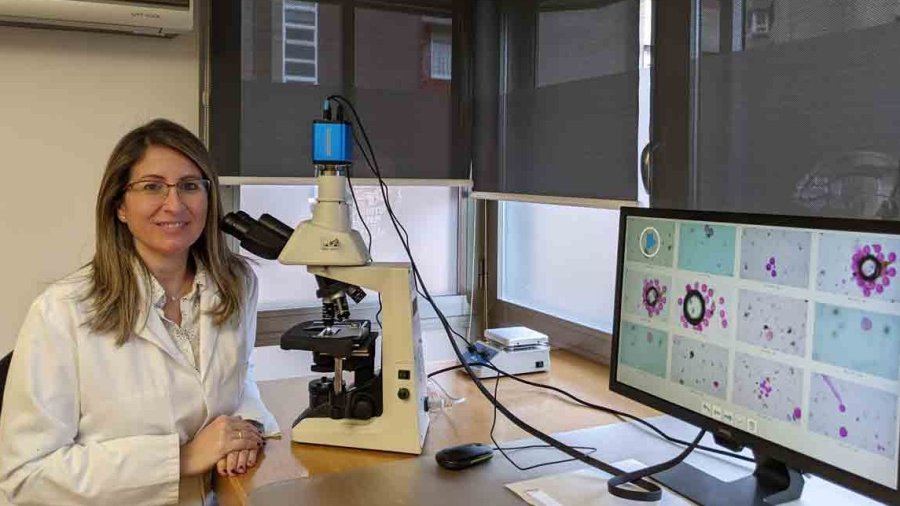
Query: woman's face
[164, 221]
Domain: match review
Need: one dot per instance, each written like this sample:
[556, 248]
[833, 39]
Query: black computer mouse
[463, 456]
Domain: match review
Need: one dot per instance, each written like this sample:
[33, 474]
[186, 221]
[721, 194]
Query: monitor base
[771, 483]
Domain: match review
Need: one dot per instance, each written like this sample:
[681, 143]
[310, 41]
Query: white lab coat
[86, 422]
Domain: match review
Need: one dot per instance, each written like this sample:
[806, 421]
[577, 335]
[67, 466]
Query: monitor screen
[785, 329]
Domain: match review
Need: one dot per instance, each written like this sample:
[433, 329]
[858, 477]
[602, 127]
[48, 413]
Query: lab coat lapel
[209, 332]
[149, 325]
[155, 332]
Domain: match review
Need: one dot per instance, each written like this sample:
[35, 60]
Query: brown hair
[114, 291]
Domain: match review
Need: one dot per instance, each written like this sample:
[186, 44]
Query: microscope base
[373, 434]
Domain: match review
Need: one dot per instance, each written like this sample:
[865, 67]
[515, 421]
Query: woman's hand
[226, 434]
[237, 463]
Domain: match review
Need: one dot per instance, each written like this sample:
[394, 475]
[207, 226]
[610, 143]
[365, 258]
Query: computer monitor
[778, 333]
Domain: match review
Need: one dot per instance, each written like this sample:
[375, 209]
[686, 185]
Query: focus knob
[363, 409]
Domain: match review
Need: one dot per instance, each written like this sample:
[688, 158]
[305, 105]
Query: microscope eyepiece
[265, 238]
[237, 224]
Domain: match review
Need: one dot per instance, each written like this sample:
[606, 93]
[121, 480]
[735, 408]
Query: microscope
[385, 408]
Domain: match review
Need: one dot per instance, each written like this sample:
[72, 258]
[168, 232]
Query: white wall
[65, 100]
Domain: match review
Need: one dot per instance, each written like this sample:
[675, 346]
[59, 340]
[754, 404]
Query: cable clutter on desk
[627, 485]
[393, 401]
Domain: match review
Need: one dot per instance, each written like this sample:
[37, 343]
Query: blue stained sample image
[704, 247]
[643, 348]
[864, 341]
[650, 241]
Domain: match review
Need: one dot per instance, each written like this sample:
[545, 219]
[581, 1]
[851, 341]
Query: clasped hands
[230, 444]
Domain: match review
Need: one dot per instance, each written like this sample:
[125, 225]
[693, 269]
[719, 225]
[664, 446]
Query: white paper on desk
[585, 487]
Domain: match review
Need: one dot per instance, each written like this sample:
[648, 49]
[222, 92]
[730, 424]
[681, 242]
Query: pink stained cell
[867, 292]
[797, 413]
[706, 322]
[680, 301]
[879, 288]
[867, 250]
[843, 432]
[842, 408]
[886, 281]
[724, 324]
[880, 257]
[687, 288]
[768, 267]
[710, 292]
[774, 273]
[866, 323]
[892, 257]
[721, 313]
[703, 287]
[877, 248]
[663, 300]
[771, 260]
[892, 272]
[721, 300]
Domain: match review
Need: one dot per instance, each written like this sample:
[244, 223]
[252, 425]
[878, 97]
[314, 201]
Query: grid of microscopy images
[777, 321]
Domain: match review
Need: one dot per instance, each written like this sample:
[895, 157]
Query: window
[292, 54]
[429, 214]
[301, 42]
[561, 260]
[440, 48]
[793, 108]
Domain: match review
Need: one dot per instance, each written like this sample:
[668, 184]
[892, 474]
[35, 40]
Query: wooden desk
[467, 422]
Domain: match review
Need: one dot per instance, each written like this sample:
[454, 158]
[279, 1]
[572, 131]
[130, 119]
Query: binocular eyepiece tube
[265, 237]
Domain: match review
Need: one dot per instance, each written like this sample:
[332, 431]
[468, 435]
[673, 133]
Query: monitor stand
[771, 483]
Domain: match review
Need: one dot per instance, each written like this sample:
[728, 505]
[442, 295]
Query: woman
[129, 381]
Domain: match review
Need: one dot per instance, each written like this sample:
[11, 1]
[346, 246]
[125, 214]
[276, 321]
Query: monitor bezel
[758, 444]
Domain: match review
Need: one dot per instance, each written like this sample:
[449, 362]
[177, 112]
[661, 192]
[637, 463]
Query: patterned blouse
[187, 335]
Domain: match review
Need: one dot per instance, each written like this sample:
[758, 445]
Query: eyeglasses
[160, 190]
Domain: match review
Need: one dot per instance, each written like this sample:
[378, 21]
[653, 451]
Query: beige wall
[65, 99]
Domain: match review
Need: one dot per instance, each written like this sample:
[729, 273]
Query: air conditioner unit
[163, 18]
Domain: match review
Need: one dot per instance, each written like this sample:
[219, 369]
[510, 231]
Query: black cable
[445, 369]
[649, 492]
[368, 244]
[359, 213]
[619, 414]
[503, 450]
[401, 230]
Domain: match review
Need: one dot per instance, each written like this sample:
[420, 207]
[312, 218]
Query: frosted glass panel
[428, 213]
[560, 260]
